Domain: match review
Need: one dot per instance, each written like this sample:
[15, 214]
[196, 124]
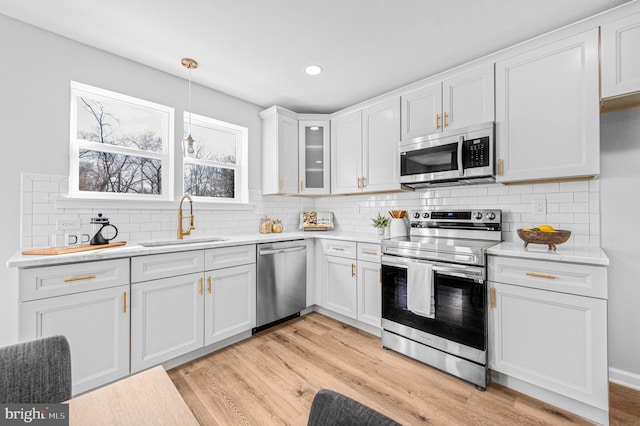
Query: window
[216, 170]
[121, 147]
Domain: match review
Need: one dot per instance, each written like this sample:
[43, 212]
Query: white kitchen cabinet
[96, 324]
[548, 331]
[89, 304]
[346, 153]
[350, 280]
[369, 278]
[279, 151]
[547, 111]
[620, 59]
[230, 302]
[464, 99]
[340, 291]
[167, 319]
[183, 301]
[364, 144]
[314, 158]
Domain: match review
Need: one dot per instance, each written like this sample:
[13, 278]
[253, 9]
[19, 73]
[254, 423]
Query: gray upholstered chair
[37, 371]
[330, 408]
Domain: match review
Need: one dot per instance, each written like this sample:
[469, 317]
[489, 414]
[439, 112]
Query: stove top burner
[459, 236]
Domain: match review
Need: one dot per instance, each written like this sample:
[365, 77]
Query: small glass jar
[277, 226]
[265, 225]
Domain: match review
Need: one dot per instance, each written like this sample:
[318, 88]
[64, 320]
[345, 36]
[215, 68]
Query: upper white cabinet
[279, 151]
[314, 158]
[364, 155]
[461, 100]
[620, 57]
[547, 111]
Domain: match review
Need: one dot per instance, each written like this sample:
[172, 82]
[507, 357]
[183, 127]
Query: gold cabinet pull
[300, 185]
[124, 302]
[209, 284]
[358, 183]
[281, 184]
[353, 270]
[492, 298]
[535, 274]
[337, 248]
[380, 275]
[500, 166]
[369, 252]
[201, 286]
[445, 119]
[363, 178]
[437, 121]
[86, 277]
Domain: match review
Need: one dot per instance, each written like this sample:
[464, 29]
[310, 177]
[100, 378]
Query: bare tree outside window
[119, 144]
[215, 167]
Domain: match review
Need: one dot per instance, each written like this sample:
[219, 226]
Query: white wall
[620, 202]
[34, 120]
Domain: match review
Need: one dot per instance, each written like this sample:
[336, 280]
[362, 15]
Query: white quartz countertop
[563, 253]
[133, 249]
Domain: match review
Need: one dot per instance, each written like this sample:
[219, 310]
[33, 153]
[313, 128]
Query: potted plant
[380, 222]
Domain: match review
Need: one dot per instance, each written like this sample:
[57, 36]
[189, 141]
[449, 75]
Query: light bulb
[190, 149]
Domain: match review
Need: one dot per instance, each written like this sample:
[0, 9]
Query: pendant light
[189, 64]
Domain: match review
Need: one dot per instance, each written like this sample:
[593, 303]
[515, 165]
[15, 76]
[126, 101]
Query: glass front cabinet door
[314, 157]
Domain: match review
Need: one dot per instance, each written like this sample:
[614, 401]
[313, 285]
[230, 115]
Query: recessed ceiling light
[314, 128]
[313, 69]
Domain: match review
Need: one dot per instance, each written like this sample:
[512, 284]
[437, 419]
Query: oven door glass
[460, 305]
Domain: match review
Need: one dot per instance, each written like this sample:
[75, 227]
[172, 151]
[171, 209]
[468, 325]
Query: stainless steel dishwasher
[281, 283]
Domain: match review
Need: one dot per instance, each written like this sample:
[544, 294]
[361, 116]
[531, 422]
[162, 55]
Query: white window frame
[241, 167]
[166, 156]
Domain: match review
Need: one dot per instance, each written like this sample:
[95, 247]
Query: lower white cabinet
[178, 314]
[552, 340]
[340, 291]
[369, 293]
[96, 324]
[89, 304]
[350, 285]
[547, 338]
[166, 319]
[230, 302]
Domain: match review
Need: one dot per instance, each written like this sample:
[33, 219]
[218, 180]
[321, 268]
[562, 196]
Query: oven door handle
[457, 272]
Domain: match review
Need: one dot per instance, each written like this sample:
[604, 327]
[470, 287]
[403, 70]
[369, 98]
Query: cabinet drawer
[571, 278]
[339, 248]
[369, 252]
[49, 281]
[225, 257]
[155, 266]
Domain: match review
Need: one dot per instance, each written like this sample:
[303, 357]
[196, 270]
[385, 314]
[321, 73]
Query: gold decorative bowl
[558, 236]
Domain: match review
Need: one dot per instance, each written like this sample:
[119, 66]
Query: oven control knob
[478, 215]
[416, 215]
[491, 215]
[425, 215]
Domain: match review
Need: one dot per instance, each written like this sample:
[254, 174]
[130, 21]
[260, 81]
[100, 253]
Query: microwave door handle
[460, 145]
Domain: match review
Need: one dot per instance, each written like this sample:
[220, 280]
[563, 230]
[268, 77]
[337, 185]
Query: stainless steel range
[434, 293]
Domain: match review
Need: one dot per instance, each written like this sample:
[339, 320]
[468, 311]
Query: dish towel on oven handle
[420, 297]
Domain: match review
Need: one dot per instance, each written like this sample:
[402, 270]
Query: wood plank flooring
[272, 378]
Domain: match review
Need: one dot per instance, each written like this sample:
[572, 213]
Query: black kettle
[103, 231]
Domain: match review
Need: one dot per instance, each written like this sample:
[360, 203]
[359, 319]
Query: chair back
[37, 371]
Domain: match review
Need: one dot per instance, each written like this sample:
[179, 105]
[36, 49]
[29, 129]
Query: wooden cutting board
[64, 250]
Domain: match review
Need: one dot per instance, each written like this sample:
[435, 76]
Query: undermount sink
[156, 243]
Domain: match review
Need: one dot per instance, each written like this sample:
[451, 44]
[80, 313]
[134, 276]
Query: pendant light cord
[189, 101]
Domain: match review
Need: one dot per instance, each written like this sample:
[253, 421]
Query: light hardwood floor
[272, 378]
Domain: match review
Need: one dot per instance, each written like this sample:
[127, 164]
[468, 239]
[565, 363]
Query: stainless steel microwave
[460, 156]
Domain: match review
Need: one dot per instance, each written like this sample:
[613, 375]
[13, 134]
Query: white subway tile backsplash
[570, 205]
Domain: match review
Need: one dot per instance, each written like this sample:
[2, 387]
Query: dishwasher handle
[265, 252]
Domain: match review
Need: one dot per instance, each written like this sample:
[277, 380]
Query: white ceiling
[257, 49]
